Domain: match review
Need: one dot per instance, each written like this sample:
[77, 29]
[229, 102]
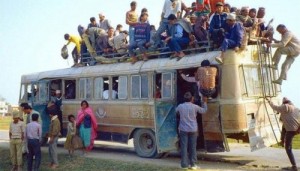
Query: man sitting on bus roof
[234, 36]
[288, 45]
[141, 38]
[180, 32]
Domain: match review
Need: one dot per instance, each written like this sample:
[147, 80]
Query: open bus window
[34, 92]
[106, 83]
[85, 87]
[167, 85]
[98, 87]
[55, 85]
[122, 88]
[115, 85]
[70, 89]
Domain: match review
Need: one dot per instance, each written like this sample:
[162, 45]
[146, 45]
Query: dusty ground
[239, 158]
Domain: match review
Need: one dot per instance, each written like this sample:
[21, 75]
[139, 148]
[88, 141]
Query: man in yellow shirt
[76, 53]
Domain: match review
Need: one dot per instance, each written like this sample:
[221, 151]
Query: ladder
[266, 76]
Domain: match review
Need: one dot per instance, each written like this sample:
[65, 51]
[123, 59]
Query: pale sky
[32, 33]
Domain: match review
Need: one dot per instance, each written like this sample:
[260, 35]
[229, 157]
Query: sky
[32, 33]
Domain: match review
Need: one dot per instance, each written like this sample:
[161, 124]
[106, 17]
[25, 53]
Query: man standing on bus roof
[188, 130]
[76, 53]
[291, 121]
[288, 45]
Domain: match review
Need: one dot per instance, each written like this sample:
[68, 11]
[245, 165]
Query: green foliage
[4, 123]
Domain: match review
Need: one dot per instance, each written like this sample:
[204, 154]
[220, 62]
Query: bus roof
[190, 61]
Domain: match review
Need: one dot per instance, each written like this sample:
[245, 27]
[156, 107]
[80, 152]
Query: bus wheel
[145, 143]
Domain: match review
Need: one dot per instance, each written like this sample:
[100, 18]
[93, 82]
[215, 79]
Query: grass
[4, 123]
[78, 163]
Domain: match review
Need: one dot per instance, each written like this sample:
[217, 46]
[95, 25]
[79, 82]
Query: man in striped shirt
[290, 117]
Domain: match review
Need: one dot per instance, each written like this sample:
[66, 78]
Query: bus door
[165, 115]
[40, 98]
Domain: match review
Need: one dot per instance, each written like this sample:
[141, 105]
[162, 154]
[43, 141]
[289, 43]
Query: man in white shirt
[33, 136]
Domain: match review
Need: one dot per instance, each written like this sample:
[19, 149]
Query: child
[16, 136]
[33, 136]
[71, 132]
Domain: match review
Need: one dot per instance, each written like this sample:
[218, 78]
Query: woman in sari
[87, 123]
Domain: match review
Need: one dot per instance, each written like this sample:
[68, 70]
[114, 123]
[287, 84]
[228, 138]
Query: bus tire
[145, 143]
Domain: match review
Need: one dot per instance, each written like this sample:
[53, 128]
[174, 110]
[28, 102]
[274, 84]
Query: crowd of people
[26, 137]
[182, 27]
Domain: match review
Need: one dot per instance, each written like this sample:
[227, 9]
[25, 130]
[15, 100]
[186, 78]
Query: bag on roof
[64, 52]
[87, 121]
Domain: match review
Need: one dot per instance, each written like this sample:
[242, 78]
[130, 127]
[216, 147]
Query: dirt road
[239, 158]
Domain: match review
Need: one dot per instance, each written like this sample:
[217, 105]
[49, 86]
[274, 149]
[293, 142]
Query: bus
[125, 101]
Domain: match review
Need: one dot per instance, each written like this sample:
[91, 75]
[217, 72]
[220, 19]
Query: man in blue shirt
[188, 130]
[179, 36]
[141, 38]
[217, 25]
[233, 37]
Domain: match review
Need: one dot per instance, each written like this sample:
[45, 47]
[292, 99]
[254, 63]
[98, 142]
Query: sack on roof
[64, 52]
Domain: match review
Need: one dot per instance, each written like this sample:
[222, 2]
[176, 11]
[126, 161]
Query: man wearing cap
[59, 105]
[188, 130]
[217, 25]
[289, 45]
[233, 38]
[290, 117]
[104, 23]
[16, 136]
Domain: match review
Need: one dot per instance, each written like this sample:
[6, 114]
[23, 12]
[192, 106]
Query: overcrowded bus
[132, 109]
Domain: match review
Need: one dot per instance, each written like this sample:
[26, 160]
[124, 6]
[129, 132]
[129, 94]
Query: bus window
[250, 81]
[144, 86]
[43, 92]
[135, 86]
[34, 92]
[70, 89]
[55, 85]
[85, 87]
[122, 88]
[98, 87]
[166, 85]
[105, 94]
[115, 85]
[22, 93]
